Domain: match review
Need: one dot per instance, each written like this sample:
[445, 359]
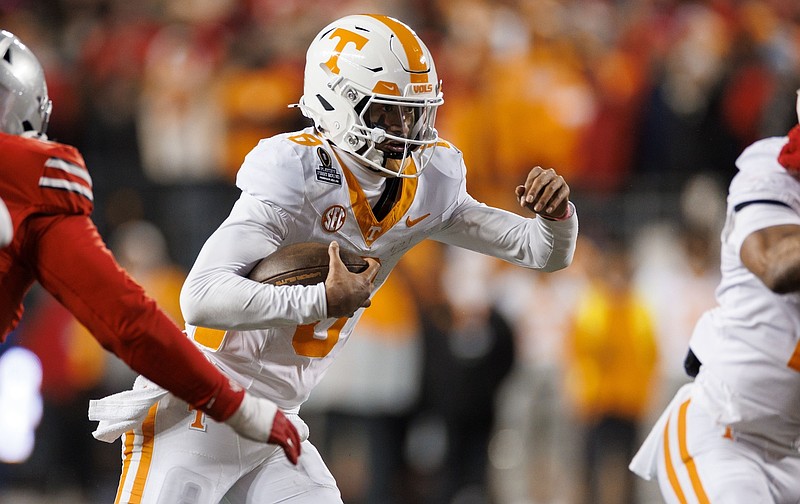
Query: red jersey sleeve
[75, 266]
[48, 192]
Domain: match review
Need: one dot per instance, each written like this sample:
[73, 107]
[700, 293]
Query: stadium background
[642, 106]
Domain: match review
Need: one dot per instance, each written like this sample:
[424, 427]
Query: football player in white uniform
[47, 237]
[371, 176]
[732, 436]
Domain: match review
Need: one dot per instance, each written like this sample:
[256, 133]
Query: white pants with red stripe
[698, 462]
[180, 456]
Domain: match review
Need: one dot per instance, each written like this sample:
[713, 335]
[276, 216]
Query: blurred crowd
[468, 381]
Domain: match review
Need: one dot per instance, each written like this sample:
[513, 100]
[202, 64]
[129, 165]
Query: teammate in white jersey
[732, 436]
[371, 176]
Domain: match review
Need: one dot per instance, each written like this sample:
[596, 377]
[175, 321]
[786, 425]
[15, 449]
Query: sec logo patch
[333, 218]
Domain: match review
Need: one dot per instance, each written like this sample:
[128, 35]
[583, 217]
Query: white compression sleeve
[254, 418]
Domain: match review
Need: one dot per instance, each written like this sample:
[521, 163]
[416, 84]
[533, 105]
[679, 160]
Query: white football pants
[180, 456]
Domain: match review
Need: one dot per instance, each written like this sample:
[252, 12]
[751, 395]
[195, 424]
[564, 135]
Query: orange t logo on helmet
[345, 37]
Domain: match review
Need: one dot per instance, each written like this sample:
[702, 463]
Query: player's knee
[182, 486]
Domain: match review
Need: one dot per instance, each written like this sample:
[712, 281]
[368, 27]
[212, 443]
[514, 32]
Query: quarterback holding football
[371, 176]
[47, 236]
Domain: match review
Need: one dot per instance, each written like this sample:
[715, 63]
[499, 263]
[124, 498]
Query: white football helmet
[372, 90]
[24, 104]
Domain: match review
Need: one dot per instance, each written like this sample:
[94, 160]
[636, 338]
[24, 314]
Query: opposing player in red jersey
[48, 236]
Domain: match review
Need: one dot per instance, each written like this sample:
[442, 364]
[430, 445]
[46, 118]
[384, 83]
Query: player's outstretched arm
[74, 265]
[118, 313]
[346, 292]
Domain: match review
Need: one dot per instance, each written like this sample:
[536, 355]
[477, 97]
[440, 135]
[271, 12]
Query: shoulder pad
[273, 171]
[47, 177]
[46, 148]
[447, 160]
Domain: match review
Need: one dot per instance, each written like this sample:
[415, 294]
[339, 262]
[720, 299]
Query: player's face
[393, 119]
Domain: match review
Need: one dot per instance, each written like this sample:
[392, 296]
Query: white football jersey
[749, 345]
[278, 341]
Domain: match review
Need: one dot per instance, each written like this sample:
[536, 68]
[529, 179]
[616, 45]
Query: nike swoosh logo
[413, 222]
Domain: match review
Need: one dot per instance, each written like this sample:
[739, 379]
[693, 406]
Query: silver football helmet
[372, 90]
[24, 104]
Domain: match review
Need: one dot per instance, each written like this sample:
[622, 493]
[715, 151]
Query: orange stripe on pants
[671, 475]
[145, 458]
[686, 458]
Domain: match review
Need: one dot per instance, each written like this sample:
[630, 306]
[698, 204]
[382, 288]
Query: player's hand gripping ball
[302, 264]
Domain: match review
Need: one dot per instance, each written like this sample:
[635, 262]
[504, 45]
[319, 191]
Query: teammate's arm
[75, 266]
[773, 255]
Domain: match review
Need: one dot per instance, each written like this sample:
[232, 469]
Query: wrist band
[567, 214]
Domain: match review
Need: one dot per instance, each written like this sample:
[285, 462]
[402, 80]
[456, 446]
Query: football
[302, 264]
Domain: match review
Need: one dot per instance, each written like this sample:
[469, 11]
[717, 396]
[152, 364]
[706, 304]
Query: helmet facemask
[391, 130]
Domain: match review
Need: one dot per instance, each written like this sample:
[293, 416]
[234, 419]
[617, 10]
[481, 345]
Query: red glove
[260, 419]
[789, 157]
[285, 435]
